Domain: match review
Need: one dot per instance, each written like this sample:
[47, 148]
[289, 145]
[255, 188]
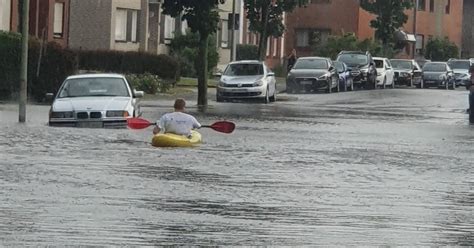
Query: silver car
[247, 80]
[94, 101]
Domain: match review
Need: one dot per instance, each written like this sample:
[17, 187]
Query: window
[275, 47]
[431, 6]
[420, 41]
[126, 25]
[169, 27]
[421, 5]
[302, 38]
[321, 1]
[5, 9]
[58, 20]
[224, 34]
[448, 7]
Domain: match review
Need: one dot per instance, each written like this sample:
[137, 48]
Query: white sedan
[94, 101]
[247, 80]
[385, 74]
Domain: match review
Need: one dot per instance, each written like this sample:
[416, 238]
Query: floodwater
[389, 167]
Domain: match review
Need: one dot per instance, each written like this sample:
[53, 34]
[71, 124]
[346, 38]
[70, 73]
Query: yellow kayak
[174, 140]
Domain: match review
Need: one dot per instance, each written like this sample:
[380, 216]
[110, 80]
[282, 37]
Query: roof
[98, 75]
[247, 62]
[314, 58]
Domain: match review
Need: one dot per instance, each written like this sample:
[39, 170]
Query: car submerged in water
[94, 101]
[313, 74]
[438, 74]
[460, 68]
[246, 79]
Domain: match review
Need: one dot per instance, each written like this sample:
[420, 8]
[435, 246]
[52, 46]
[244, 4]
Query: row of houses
[139, 25]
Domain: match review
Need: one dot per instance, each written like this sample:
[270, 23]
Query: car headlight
[222, 84]
[325, 76]
[441, 76]
[258, 83]
[405, 74]
[117, 113]
[289, 75]
[61, 115]
[379, 74]
[466, 77]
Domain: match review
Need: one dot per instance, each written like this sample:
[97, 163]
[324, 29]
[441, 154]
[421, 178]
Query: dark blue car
[346, 81]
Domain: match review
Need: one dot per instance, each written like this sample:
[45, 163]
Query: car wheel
[384, 83]
[453, 86]
[471, 117]
[273, 98]
[338, 86]
[447, 85]
[266, 99]
[352, 85]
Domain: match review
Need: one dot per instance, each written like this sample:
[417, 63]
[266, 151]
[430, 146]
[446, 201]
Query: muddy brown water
[330, 170]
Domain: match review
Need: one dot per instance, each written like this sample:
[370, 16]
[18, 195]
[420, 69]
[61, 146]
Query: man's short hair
[179, 104]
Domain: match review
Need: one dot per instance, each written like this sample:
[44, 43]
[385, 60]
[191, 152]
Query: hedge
[247, 52]
[56, 65]
[161, 65]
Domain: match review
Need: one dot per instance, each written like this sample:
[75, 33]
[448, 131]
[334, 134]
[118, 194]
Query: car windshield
[434, 67]
[339, 66]
[244, 70]
[460, 65]
[84, 87]
[402, 64]
[354, 59]
[378, 63]
[311, 64]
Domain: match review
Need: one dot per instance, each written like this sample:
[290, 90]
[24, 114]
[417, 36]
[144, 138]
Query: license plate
[239, 90]
[90, 124]
[306, 82]
[429, 82]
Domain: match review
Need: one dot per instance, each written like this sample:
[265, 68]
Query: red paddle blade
[138, 123]
[223, 126]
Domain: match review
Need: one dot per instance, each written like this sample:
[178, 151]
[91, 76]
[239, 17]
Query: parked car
[385, 72]
[94, 101]
[249, 79]
[406, 72]
[461, 70]
[438, 74]
[313, 74]
[362, 67]
[346, 82]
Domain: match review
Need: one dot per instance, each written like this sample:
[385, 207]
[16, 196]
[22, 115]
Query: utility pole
[24, 61]
[232, 34]
[414, 27]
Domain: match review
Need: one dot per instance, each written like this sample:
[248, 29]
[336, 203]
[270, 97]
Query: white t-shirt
[178, 123]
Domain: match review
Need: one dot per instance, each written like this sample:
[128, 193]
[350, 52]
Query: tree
[202, 18]
[349, 42]
[390, 16]
[184, 47]
[441, 49]
[266, 18]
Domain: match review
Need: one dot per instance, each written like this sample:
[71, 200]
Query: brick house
[435, 18]
[47, 18]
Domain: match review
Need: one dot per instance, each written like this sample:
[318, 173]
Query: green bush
[56, 65]
[246, 52]
[349, 42]
[150, 84]
[441, 50]
[185, 49]
[161, 65]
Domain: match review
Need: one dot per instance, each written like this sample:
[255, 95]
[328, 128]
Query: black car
[406, 72]
[313, 74]
[345, 77]
[362, 67]
[438, 74]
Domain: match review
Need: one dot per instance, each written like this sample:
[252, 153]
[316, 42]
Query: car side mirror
[217, 75]
[49, 96]
[139, 94]
[270, 74]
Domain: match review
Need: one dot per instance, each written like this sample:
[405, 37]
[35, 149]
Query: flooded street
[391, 167]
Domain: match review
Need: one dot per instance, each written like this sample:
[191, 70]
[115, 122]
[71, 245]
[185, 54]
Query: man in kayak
[177, 122]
